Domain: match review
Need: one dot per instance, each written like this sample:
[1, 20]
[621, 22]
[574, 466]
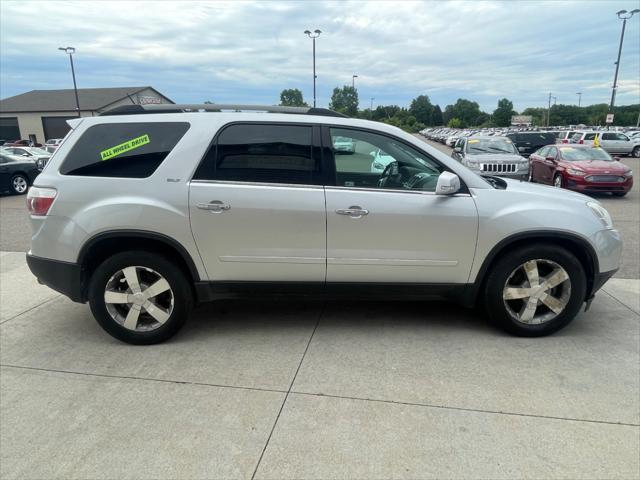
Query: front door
[257, 205]
[388, 226]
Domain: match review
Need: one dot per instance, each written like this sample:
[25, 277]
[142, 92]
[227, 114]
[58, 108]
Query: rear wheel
[557, 181]
[535, 291]
[19, 184]
[139, 297]
[636, 152]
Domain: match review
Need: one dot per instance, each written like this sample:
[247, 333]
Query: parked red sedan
[582, 168]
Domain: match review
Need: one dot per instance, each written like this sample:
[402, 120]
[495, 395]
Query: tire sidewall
[502, 269]
[183, 296]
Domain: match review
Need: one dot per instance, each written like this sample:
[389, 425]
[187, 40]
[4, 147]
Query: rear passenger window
[263, 154]
[130, 150]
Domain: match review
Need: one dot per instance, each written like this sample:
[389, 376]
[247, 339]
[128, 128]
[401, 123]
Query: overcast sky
[247, 52]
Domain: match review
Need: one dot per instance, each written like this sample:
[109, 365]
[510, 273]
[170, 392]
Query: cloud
[246, 52]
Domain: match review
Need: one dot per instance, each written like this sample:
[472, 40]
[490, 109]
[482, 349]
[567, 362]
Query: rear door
[257, 205]
[390, 227]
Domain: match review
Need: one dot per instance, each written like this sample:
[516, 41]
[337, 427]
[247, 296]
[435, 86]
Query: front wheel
[536, 290]
[140, 297]
[557, 181]
[636, 152]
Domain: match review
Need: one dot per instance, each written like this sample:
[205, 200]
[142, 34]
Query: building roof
[90, 99]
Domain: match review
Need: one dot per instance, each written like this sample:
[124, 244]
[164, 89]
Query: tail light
[39, 200]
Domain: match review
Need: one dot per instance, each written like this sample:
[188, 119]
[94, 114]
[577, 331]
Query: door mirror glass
[448, 184]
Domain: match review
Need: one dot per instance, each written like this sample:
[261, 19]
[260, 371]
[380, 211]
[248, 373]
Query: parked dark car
[582, 168]
[16, 175]
[529, 142]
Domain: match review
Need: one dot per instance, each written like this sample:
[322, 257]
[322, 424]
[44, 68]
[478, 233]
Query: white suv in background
[146, 210]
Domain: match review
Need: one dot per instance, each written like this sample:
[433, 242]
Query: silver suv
[146, 211]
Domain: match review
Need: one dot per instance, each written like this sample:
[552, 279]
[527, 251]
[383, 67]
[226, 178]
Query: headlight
[602, 214]
[577, 173]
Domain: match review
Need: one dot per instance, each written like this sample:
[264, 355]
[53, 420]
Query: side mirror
[457, 150]
[617, 159]
[551, 159]
[448, 184]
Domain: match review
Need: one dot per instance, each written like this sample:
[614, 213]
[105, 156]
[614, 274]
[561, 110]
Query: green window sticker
[124, 147]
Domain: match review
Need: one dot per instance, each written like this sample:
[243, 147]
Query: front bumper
[579, 184]
[63, 277]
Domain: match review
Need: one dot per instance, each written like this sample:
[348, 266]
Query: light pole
[353, 81]
[579, 97]
[316, 33]
[624, 16]
[70, 51]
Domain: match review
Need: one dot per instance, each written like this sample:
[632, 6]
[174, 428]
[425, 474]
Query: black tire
[555, 179]
[636, 152]
[619, 194]
[173, 274]
[495, 305]
[20, 179]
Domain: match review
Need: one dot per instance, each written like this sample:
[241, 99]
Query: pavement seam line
[295, 375]
[30, 309]
[476, 410]
[620, 302]
[144, 379]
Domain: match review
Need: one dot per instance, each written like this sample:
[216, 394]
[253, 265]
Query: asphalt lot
[336, 390]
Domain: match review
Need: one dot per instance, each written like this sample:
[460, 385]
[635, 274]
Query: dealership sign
[149, 100]
[609, 117]
[521, 120]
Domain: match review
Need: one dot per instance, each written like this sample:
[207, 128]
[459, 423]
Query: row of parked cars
[579, 162]
[20, 164]
[528, 141]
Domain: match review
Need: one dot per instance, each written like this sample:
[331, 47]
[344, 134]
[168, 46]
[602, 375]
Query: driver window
[368, 160]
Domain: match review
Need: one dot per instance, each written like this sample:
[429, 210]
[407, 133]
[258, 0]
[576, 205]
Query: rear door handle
[354, 211]
[215, 206]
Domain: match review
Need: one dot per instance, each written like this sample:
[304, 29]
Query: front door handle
[354, 211]
[215, 206]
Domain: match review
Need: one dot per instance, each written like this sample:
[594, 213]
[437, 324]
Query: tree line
[421, 113]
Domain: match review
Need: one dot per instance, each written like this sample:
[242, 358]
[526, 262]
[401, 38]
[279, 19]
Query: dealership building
[39, 115]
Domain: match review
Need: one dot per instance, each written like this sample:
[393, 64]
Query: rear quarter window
[129, 150]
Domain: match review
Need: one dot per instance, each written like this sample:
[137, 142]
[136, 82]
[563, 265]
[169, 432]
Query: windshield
[39, 151]
[490, 145]
[573, 154]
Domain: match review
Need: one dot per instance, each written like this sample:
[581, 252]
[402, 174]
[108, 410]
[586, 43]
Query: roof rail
[211, 107]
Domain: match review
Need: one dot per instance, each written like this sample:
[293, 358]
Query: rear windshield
[536, 138]
[130, 150]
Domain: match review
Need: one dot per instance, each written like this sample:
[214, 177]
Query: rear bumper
[63, 277]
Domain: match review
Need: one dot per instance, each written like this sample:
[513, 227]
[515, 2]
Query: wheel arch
[577, 245]
[105, 244]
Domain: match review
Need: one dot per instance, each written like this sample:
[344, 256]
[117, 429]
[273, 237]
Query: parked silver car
[143, 214]
[491, 156]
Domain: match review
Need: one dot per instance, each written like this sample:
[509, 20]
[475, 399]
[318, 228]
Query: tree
[502, 115]
[345, 100]
[454, 123]
[436, 117]
[292, 97]
[422, 109]
[466, 111]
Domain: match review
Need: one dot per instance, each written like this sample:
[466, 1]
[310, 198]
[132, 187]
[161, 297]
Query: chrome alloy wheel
[138, 298]
[20, 184]
[537, 292]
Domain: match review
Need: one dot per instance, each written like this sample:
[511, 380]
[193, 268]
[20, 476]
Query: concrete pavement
[313, 390]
